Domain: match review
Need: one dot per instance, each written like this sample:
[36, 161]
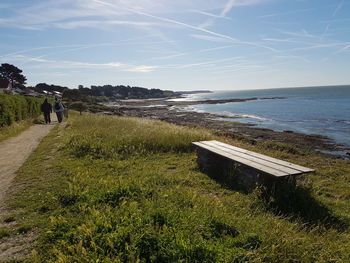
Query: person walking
[46, 108]
[58, 108]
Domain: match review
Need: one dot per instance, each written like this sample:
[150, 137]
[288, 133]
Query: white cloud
[303, 34]
[101, 23]
[50, 13]
[209, 14]
[193, 52]
[59, 13]
[225, 10]
[232, 3]
[284, 40]
[66, 64]
[344, 49]
[318, 46]
[288, 12]
[337, 9]
[211, 38]
[170, 56]
[294, 58]
[142, 69]
[75, 47]
[196, 28]
[203, 63]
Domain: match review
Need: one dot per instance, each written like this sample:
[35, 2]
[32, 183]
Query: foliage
[14, 108]
[125, 92]
[51, 88]
[4, 233]
[97, 94]
[13, 74]
[110, 195]
[96, 99]
[72, 95]
[79, 106]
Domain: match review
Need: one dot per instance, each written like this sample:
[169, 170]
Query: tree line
[18, 80]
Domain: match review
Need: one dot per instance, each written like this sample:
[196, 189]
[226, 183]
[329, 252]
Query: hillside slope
[129, 190]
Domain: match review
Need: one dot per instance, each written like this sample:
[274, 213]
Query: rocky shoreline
[172, 111]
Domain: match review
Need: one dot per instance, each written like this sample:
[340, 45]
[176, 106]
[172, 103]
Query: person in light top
[58, 108]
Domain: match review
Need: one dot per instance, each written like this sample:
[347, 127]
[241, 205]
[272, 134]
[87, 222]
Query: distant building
[31, 92]
[56, 93]
[17, 91]
[5, 86]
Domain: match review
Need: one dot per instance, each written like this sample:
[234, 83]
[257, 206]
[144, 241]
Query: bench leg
[227, 172]
[239, 177]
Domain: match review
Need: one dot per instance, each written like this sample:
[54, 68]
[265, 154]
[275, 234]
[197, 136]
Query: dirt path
[14, 152]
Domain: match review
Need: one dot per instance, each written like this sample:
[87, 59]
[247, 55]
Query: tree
[79, 106]
[51, 88]
[72, 95]
[13, 74]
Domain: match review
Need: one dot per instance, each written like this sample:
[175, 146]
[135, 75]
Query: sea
[309, 110]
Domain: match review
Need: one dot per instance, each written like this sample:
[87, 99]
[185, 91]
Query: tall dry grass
[106, 137]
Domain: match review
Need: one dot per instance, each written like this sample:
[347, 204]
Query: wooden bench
[250, 168]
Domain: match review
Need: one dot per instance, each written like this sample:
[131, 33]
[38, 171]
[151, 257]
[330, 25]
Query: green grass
[129, 190]
[4, 233]
[122, 137]
[9, 219]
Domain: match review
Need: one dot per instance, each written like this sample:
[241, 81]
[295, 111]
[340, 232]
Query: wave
[186, 108]
[154, 106]
[222, 113]
[245, 116]
[342, 121]
[325, 121]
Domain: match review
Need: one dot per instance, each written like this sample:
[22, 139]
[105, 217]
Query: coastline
[172, 111]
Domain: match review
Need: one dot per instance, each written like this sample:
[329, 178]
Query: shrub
[79, 106]
[15, 108]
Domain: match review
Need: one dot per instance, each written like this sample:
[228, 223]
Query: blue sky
[178, 45]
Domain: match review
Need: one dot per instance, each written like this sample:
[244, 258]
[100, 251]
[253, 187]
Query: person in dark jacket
[46, 108]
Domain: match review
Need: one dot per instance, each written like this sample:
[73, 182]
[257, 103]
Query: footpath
[15, 151]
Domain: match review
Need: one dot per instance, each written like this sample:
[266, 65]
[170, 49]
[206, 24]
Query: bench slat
[250, 158]
[267, 158]
[255, 165]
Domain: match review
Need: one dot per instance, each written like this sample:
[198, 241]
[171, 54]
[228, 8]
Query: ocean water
[310, 110]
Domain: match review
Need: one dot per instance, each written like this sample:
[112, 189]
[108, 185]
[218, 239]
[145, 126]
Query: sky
[178, 45]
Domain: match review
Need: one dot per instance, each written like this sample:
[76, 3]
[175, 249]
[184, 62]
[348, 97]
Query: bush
[79, 106]
[15, 108]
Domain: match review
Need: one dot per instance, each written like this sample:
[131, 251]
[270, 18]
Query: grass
[122, 189]
[9, 219]
[4, 233]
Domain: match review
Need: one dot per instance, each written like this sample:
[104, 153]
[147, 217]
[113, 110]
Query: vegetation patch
[9, 219]
[129, 190]
[128, 137]
[4, 233]
[14, 108]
